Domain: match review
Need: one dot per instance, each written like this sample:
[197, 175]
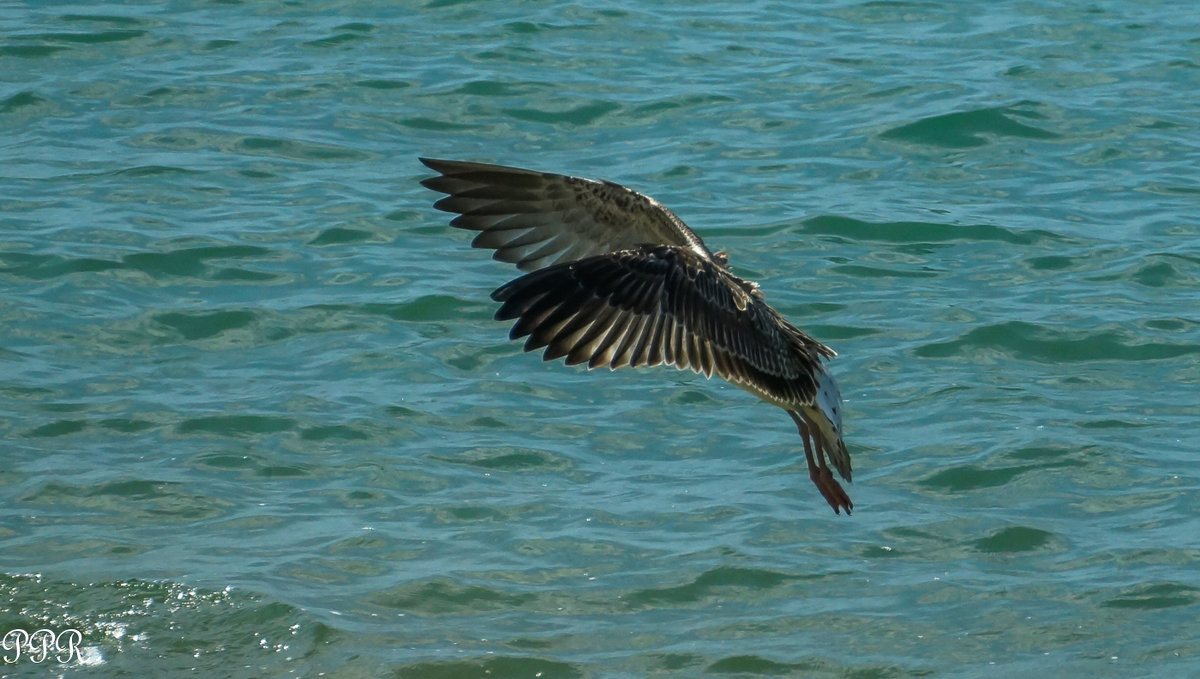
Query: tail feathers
[826, 413]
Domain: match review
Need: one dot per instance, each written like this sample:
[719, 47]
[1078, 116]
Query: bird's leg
[819, 472]
[840, 496]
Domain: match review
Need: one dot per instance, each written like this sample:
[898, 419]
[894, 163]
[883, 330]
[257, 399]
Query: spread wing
[652, 305]
[535, 219]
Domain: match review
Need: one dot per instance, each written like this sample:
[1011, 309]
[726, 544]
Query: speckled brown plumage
[616, 280]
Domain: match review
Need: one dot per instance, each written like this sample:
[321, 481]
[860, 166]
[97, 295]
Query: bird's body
[616, 279]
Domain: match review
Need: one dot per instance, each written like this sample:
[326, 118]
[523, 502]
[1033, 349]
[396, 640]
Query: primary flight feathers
[535, 219]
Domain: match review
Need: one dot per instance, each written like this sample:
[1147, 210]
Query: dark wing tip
[435, 163]
[502, 293]
[451, 168]
[444, 168]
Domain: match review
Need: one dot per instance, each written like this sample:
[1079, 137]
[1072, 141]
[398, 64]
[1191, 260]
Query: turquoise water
[256, 420]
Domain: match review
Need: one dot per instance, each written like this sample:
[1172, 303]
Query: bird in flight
[615, 279]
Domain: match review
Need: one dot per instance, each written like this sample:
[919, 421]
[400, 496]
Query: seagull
[614, 279]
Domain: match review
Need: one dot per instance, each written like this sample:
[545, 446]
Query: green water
[256, 420]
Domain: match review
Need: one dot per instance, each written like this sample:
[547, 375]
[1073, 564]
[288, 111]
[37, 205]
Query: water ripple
[1054, 344]
[968, 129]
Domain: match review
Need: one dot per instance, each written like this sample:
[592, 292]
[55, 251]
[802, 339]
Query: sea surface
[256, 419]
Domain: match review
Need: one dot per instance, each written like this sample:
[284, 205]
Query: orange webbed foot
[831, 490]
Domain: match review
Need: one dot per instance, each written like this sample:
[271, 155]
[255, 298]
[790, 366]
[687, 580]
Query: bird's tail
[826, 413]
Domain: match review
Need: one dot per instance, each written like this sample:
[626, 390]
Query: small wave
[443, 597]
[922, 232]
[203, 325]
[21, 100]
[1014, 539]
[968, 129]
[757, 665]
[1041, 343]
[508, 460]
[346, 33]
[93, 38]
[972, 477]
[236, 425]
[424, 309]
[1155, 596]
[187, 262]
[710, 584]
[492, 666]
[581, 115]
[130, 501]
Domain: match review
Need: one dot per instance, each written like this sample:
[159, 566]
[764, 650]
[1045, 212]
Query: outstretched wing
[652, 305]
[535, 219]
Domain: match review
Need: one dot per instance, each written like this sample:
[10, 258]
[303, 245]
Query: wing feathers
[661, 304]
[571, 217]
[618, 280]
